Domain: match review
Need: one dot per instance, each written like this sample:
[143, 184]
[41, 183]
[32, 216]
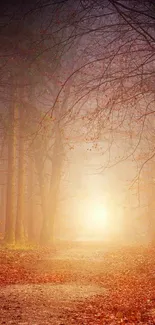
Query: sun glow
[97, 217]
[94, 219]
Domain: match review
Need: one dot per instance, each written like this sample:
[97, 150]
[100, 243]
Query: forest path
[55, 304]
[51, 303]
[78, 284]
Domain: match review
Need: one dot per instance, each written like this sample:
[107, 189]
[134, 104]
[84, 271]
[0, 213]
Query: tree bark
[21, 182]
[57, 160]
[11, 176]
[30, 210]
[45, 230]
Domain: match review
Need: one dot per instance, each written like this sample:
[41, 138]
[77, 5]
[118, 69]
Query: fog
[77, 123]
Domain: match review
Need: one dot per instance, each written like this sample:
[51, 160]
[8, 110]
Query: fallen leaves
[127, 274]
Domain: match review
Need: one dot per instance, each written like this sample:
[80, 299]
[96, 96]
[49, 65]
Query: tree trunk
[57, 160]
[21, 182]
[151, 204]
[11, 178]
[30, 215]
[45, 231]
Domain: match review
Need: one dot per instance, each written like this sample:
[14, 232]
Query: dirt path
[51, 303]
[78, 286]
[44, 304]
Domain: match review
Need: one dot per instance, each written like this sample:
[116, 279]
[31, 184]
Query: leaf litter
[104, 286]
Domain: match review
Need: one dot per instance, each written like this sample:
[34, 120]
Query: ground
[77, 284]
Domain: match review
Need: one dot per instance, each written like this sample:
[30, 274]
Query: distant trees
[65, 65]
[117, 78]
[18, 71]
[34, 65]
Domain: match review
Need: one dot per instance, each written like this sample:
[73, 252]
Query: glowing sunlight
[94, 218]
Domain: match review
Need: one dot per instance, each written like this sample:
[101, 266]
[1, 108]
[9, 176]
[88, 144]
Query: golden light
[94, 219]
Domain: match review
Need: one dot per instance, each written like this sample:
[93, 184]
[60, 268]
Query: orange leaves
[126, 276]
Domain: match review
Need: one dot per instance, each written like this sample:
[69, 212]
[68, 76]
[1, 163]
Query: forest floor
[80, 284]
